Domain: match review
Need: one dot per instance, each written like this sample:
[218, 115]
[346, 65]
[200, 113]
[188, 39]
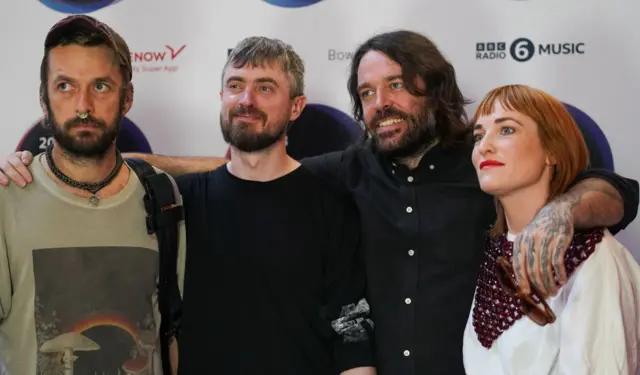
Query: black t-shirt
[270, 266]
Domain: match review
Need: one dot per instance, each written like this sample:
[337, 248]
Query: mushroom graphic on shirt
[67, 344]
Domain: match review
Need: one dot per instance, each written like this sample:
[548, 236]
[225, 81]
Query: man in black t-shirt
[275, 283]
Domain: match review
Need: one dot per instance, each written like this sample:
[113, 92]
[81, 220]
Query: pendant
[94, 201]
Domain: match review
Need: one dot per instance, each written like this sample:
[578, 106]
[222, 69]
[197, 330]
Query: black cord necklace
[92, 187]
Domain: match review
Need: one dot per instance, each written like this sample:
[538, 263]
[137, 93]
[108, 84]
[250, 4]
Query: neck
[520, 207]
[84, 169]
[413, 161]
[264, 165]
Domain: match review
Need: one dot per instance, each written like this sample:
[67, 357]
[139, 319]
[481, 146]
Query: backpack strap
[163, 218]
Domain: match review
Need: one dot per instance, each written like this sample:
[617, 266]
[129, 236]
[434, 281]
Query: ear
[299, 102]
[550, 160]
[128, 99]
[220, 95]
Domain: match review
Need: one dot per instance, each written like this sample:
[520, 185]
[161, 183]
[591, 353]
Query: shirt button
[411, 252]
[407, 301]
[409, 209]
[431, 166]
[410, 178]
[407, 353]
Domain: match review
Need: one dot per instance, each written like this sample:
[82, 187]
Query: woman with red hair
[528, 150]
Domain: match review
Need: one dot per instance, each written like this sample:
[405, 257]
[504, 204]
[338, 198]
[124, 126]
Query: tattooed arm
[540, 248]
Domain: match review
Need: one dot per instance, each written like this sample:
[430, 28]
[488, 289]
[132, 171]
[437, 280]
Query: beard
[86, 145]
[242, 136]
[418, 135]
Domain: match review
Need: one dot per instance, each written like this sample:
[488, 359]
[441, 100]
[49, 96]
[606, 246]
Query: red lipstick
[490, 163]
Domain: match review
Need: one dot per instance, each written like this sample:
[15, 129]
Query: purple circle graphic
[292, 3]
[77, 6]
[130, 139]
[321, 129]
[600, 155]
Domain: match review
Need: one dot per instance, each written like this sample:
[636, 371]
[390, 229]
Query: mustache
[385, 113]
[90, 120]
[251, 111]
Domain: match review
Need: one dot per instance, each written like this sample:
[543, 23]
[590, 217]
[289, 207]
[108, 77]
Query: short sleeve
[182, 239]
[191, 190]
[6, 287]
[627, 188]
[600, 323]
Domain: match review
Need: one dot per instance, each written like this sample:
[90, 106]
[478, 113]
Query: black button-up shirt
[423, 232]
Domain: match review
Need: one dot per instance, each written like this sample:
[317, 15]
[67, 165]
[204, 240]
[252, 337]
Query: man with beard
[75, 255]
[275, 283]
[424, 215]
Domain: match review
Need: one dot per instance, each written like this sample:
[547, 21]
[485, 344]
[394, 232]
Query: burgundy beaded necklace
[495, 310]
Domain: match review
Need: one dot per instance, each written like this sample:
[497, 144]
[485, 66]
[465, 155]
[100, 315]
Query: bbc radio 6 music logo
[524, 49]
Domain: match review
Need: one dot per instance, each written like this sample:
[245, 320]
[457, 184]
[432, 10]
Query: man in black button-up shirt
[424, 217]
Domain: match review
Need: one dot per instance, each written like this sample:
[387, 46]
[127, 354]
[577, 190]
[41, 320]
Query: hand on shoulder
[15, 168]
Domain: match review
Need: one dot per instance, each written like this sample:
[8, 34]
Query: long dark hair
[419, 57]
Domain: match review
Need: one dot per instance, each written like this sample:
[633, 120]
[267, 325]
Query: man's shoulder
[324, 190]
[338, 159]
[14, 194]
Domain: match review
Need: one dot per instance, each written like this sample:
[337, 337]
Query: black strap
[163, 217]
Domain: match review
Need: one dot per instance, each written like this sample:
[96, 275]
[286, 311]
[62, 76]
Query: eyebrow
[63, 77]
[499, 120]
[259, 80]
[387, 78]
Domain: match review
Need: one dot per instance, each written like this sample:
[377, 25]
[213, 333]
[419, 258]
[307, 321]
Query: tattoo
[558, 252]
[544, 261]
[593, 203]
[531, 259]
[553, 221]
[557, 257]
[517, 253]
[353, 322]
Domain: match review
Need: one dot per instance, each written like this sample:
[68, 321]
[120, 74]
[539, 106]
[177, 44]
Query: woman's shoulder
[611, 261]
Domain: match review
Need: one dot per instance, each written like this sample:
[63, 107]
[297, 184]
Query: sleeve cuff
[353, 355]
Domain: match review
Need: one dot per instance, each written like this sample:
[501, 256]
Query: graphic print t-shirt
[77, 282]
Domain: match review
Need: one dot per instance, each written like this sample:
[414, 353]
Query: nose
[85, 102]
[486, 145]
[247, 98]
[383, 100]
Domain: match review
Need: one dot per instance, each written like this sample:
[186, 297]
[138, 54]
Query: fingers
[14, 170]
[558, 254]
[20, 162]
[550, 287]
[26, 157]
[543, 275]
[519, 263]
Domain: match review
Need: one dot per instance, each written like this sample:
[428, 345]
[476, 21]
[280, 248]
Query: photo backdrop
[584, 52]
